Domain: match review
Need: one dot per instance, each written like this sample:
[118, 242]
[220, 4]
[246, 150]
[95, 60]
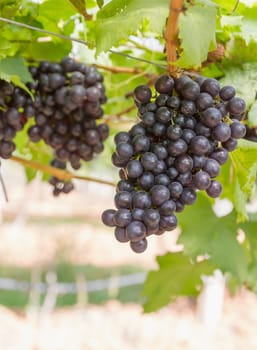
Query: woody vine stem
[171, 34]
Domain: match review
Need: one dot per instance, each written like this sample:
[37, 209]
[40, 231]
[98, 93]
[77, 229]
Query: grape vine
[189, 140]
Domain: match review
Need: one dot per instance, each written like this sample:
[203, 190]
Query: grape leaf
[100, 3]
[239, 53]
[52, 51]
[243, 176]
[252, 115]
[249, 24]
[244, 161]
[226, 5]
[177, 275]
[52, 18]
[127, 16]
[13, 70]
[197, 35]
[205, 233]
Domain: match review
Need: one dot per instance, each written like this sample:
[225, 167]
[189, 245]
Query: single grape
[163, 115]
[214, 190]
[220, 155]
[168, 222]
[204, 101]
[202, 180]
[123, 200]
[190, 91]
[184, 163]
[175, 189]
[108, 217]
[120, 235]
[177, 148]
[199, 145]
[138, 214]
[187, 107]
[142, 94]
[124, 150]
[227, 92]
[134, 169]
[140, 143]
[149, 160]
[125, 185]
[141, 200]
[135, 231]
[212, 167]
[122, 136]
[188, 196]
[159, 194]
[139, 246]
[164, 84]
[168, 207]
[122, 217]
[230, 144]
[174, 132]
[222, 132]
[236, 106]
[162, 179]
[211, 117]
[173, 102]
[211, 86]
[151, 218]
[238, 130]
[146, 180]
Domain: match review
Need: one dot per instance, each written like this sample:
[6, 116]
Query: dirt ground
[115, 326]
[28, 241]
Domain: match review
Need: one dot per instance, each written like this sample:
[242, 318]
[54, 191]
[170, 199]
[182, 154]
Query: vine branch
[127, 70]
[59, 173]
[171, 33]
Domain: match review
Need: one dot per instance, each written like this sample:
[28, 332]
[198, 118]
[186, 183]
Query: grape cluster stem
[61, 174]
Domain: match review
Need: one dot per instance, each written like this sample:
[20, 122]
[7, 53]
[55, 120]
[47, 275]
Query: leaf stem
[171, 33]
[59, 173]
[126, 70]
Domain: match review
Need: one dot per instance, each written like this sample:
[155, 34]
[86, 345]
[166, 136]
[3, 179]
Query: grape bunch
[184, 135]
[68, 99]
[15, 103]
[60, 186]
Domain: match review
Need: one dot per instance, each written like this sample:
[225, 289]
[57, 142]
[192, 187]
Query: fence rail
[10, 284]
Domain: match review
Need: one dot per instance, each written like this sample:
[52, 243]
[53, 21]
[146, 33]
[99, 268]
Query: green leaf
[100, 3]
[227, 5]
[52, 51]
[249, 24]
[197, 35]
[252, 115]
[249, 229]
[244, 161]
[53, 14]
[176, 276]
[118, 19]
[13, 70]
[205, 233]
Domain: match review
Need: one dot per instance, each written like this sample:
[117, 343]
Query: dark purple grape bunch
[15, 103]
[60, 186]
[68, 99]
[184, 135]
